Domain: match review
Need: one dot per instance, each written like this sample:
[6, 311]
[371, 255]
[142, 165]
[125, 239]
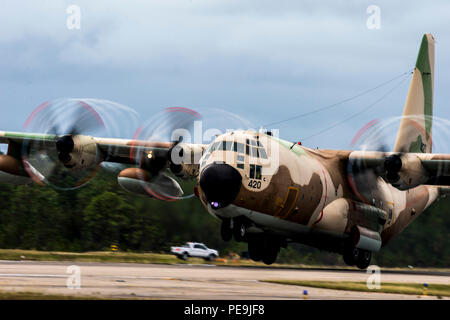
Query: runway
[198, 282]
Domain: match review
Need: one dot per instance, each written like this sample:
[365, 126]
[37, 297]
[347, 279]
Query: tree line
[101, 213]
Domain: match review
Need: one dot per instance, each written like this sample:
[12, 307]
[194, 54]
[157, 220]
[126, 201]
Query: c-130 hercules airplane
[269, 192]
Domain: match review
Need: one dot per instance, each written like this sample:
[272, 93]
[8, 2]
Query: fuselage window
[240, 158]
[247, 149]
[240, 166]
[252, 171]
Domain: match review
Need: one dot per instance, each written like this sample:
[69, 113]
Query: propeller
[364, 178]
[173, 124]
[47, 158]
[181, 126]
[376, 136]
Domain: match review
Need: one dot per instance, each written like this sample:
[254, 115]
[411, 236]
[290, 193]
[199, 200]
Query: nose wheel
[236, 228]
[239, 230]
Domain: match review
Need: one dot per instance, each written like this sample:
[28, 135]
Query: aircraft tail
[414, 134]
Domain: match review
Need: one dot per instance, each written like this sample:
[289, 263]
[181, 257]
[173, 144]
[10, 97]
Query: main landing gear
[261, 246]
[355, 256]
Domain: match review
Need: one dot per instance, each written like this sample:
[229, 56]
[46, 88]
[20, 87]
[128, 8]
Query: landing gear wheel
[225, 230]
[255, 248]
[270, 256]
[271, 249]
[239, 230]
[364, 258]
[351, 255]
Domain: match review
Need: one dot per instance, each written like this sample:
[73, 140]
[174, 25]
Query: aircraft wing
[70, 161]
[404, 170]
[111, 150]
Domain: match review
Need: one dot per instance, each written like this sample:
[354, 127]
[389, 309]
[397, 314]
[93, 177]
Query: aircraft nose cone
[221, 184]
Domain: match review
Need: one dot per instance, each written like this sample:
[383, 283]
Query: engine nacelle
[362, 222]
[78, 152]
[185, 160]
[11, 171]
[137, 180]
[405, 171]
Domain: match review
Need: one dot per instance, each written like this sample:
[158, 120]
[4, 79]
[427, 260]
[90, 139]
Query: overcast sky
[262, 60]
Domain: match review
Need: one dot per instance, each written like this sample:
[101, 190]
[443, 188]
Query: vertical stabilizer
[414, 134]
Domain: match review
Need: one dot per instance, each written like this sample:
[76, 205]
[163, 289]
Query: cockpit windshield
[252, 148]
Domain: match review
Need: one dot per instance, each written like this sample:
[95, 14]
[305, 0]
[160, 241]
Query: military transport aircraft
[266, 191]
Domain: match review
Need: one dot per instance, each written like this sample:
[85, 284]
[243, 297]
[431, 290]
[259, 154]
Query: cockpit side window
[254, 148]
[213, 147]
[238, 147]
[262, 153]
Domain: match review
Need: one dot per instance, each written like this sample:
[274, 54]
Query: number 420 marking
[254, 184]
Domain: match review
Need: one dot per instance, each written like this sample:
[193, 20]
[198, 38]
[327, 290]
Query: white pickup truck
[194, 249]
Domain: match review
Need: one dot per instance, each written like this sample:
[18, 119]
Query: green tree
[106, 218]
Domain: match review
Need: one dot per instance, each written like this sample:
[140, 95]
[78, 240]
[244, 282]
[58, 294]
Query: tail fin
[414, 134]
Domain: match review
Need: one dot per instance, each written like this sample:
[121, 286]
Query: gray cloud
[264, 60]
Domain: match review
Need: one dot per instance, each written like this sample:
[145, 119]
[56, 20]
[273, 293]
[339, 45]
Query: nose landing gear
[236, 228]
[239, 230]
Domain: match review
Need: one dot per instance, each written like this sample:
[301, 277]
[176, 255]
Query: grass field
[439, 290]
[113, 257]
[153, 258]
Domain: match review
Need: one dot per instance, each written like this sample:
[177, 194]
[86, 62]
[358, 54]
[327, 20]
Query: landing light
[150, 155]
[214, 204]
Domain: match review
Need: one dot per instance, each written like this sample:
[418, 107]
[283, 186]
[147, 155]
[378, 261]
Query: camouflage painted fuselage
[320, 196]
[309, 192]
